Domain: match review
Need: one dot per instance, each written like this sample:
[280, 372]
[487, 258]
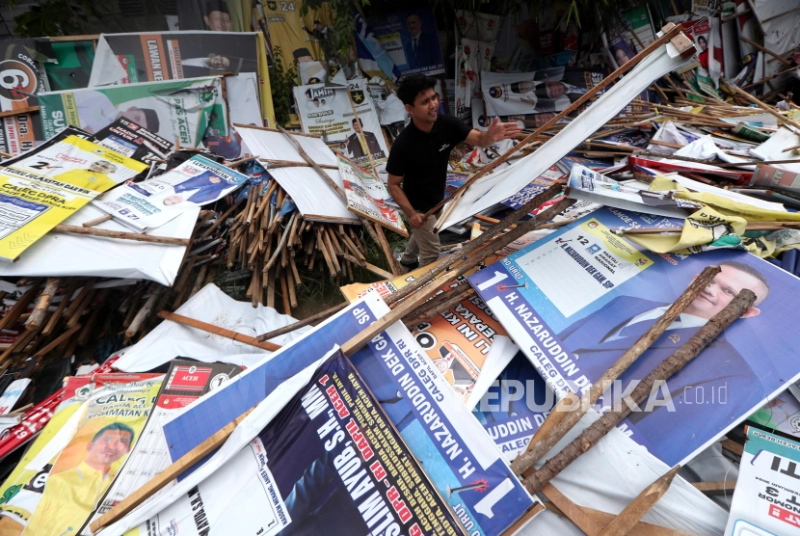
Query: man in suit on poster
[420, 49]
[355, 145]
[595, 342]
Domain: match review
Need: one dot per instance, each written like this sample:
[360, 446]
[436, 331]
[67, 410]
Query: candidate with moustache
[598, 340]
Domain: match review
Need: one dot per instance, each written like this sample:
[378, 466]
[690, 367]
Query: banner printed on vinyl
[23, 77]
[113, 420]
[59, 137]
[372, 56]
[329, 462]
[185, 382]
[464, 465]
[188, 110]
[511, 421]
[74, 65]
[327, 110]
[573, 303]
[154, 202]
[213, 412]
[367, 195]
[411, 39]
[46, 187]
[128, 138]
[546, 91]
[141, 57]
[765, 499]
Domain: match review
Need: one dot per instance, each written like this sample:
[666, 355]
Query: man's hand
[502, 131]
[417, 220]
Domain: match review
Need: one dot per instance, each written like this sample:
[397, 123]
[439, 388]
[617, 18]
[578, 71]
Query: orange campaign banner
[458, 340]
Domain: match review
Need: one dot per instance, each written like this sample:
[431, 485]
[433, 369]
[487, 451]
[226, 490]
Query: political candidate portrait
[596, 341]
[355, 143]
[421, 47]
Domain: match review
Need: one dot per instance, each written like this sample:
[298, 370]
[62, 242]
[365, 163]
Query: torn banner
[576, 300]
[329, 462]
[500, 185]
[184, 109]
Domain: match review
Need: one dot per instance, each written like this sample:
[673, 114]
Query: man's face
[136, 115]
[219, 62]
[173, 200]
[524, 87]
[101, 167]
[213, 179]
[426, 106]
[414, 25]
[721, 291]
[218, 21]
[108, 448]
[555, 89]
[357, 127]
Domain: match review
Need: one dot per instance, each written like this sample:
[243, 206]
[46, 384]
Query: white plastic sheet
[312, 194]
[169, 340]
[65, 255]
[498, 186]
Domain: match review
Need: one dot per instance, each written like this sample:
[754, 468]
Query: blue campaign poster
[576, 301]
[457, 454]
[251, 387]
[411, 40]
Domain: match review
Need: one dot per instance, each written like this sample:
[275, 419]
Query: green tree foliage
[281, 84]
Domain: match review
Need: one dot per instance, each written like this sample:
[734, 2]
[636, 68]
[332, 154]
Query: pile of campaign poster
[765, 499]
[328, 462]
[154, 202]
[576, 300]
[12, 394]
[185, 382]
[47, 186]
[126, 137]
[411, 39]
[185, 110]
[107, 430]
[460, 458]
[547, 91]
[367, 195]
[327, 111]
[149, 57]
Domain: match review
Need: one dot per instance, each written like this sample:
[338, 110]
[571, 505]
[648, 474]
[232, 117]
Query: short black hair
[699, 37]
[749, 270]
[360, 122]
[114, 426]
[413, 85]
[216, 5]
[152, 120]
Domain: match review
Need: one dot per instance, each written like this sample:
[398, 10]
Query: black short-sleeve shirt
[421, 159]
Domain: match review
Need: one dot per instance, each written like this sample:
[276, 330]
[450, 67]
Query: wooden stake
[636, 510]
[747, 96]
[216, 330]
[394, 266]
[39, 313]
[98, 221]
[21, 306]
[105, 233]
[589, 437]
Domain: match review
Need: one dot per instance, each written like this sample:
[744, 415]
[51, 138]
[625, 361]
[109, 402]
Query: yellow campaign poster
[113, 420]
[42, 190]
[295, 33]
[20, 493]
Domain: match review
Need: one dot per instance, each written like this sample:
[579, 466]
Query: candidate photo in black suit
[354, 145]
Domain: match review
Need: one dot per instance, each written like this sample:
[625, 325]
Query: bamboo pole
[747, 96]
[216, 330]
[670, 366]
[670, 32]
[105, 233]
[39, 313]
[569, 410]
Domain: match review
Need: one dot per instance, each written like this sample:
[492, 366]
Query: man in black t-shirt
[418, 160]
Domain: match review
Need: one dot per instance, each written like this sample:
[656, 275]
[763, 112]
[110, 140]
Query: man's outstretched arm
[497, 131]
